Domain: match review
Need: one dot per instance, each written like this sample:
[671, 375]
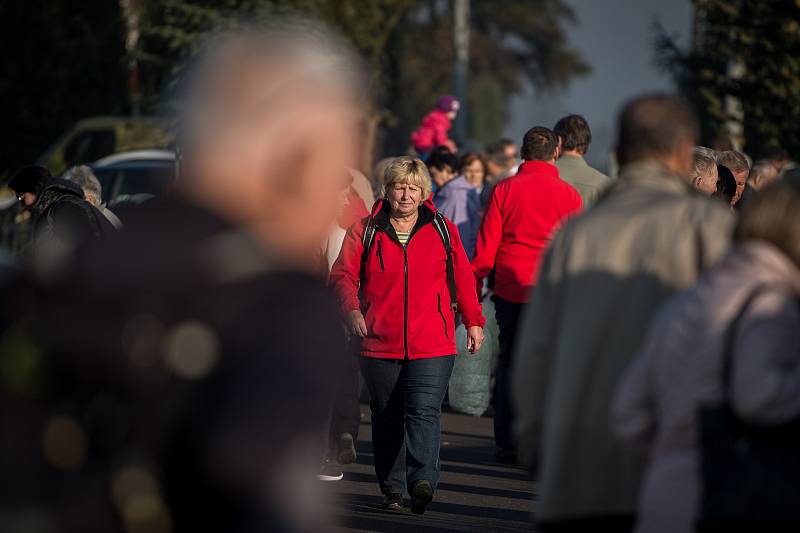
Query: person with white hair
[84, 178]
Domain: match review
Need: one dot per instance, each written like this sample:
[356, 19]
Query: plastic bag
[470, 388]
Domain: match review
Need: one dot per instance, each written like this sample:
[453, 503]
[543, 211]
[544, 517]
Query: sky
[616, 38]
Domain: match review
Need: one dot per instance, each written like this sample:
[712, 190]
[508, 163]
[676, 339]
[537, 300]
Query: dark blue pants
[507, 314]
[406, 402]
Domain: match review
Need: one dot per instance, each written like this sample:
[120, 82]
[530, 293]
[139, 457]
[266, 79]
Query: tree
[747, 52]
[62, 61]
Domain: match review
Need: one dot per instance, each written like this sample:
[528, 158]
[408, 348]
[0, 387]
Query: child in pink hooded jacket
[433, 130]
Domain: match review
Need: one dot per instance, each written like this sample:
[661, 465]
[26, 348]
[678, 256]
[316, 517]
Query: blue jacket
[460, 203]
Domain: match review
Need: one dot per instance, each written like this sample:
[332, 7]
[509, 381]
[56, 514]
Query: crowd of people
[190, 369]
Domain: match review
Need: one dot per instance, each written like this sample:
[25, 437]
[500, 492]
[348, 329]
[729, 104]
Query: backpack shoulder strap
[366, 241]
[444, 233]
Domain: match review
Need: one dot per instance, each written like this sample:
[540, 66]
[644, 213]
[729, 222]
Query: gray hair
[704, 162]
[296, 53]
[84, 178]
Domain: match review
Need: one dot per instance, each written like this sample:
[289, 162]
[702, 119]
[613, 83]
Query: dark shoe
[506, 456]
[421, 496]
[347, 449]
[393, 502]
[330, 472]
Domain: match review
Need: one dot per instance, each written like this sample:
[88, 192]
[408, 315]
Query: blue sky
[615, 37]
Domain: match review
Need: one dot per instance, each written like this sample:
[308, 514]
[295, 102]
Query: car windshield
[123, 181]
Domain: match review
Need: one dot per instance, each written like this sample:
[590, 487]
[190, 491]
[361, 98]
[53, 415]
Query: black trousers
[346, 411]
[507, 314]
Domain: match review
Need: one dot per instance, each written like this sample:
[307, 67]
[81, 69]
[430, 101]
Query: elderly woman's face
[404, 198]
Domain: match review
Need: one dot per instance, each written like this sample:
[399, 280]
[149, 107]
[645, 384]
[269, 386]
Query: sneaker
[393, 502]
[329, 472]
[347, 449]
[421, 496]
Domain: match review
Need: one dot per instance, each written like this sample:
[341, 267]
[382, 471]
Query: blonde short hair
[407, 169]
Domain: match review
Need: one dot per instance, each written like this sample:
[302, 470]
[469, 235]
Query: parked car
[97, 137]
[131, 178]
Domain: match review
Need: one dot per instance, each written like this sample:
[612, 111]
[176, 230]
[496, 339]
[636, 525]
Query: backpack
[440, 225]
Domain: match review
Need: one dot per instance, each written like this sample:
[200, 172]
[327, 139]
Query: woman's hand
[474, 338]
[357, 324]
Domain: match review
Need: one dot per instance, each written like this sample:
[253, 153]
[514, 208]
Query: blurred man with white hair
[196, 352]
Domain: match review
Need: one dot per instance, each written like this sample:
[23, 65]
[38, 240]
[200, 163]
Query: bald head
[268, 128]
[660, 128]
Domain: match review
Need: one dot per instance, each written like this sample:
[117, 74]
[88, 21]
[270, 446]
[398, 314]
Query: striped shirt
[403, 236]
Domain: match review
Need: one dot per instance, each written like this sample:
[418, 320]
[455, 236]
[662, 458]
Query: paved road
[475, 492]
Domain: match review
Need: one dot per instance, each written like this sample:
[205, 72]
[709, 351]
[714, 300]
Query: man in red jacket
[521, 217]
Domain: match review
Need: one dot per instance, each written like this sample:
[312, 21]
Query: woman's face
[404, 198]
[474, 173]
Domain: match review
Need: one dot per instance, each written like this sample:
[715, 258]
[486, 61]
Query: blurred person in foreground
[457, 199]
[752, 294]
[523, 214]
[704, 174]
[434, 129]
[62, 218]
[402, 278]
[600, 283]
[84, 178]
[575, 136]
[191, 361]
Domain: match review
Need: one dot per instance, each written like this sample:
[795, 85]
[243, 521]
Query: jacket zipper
[380, 256]
[405, 299]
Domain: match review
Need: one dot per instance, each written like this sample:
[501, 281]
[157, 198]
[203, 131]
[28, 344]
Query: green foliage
[62, 61]
[763, 39]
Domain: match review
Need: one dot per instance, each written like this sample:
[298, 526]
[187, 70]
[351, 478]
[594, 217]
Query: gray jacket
[589, 183]
[679, 370]
[607, 272]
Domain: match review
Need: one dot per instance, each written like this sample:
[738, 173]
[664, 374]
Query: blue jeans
[406, 402]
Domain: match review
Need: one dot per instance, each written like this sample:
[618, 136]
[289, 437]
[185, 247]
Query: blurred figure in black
[83, 177]
[178, 378]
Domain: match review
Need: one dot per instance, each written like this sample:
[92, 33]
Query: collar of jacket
[533, 168]
[654, 174]
[572, 160]
[459, 182]
[55, 189]
[380, 214]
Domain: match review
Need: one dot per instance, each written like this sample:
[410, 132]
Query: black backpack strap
[366, 241]
[444, 233]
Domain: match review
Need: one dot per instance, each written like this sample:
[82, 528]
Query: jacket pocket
[379, 253]
[441, 314]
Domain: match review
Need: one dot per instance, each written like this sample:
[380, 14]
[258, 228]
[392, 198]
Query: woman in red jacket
[399, 296]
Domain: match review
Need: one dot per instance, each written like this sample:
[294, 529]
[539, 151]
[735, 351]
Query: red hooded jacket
[432, 132]
[404, 295]
[520, 219]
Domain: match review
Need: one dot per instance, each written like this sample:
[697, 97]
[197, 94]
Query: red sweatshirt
[520, 219]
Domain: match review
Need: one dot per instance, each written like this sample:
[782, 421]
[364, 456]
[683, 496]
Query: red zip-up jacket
[404, 295]
[520, 219]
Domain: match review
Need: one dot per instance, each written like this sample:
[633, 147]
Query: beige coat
[589, 183]
[680, 370]
[607, 272]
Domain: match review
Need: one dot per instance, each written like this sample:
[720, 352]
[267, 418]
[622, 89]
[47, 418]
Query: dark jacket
[184, 352]
[404, 295]
[61, 212]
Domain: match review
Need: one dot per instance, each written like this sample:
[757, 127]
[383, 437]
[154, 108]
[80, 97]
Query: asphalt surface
[476, 493]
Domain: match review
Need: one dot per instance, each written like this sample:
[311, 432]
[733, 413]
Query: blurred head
[704, 172]
[442, 165]
[659, 128]
[84, 178]
[575, 135]
[738, 164]
[501, 157]
[268, 129]
[762, 174]
[28, 183]
[473, 168]
[776, 155]
[406, 185]
[771, 216]
[539, 144]
[449, 105]
[378, 174]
